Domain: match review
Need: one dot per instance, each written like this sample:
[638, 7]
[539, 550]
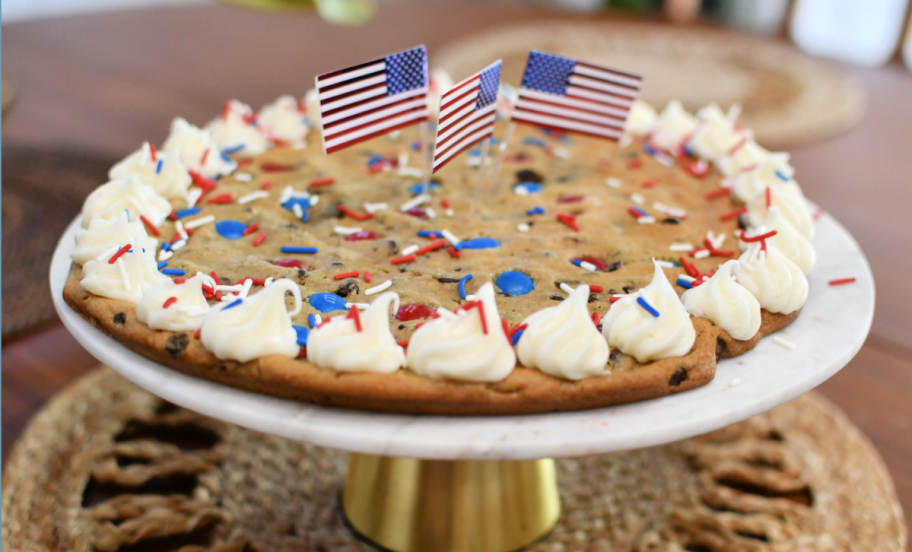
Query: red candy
[414, 312]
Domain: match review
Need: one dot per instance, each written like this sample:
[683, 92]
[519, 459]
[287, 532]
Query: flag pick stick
[479, 183]
[425, 166]
[492, 186]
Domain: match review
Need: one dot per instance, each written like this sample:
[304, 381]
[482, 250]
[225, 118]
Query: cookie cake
[590, 273]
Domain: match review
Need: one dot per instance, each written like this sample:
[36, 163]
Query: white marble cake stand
[829, 332]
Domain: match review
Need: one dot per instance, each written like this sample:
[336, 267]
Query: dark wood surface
[106, 82]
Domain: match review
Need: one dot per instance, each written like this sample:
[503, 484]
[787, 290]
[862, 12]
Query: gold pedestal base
[412, 505]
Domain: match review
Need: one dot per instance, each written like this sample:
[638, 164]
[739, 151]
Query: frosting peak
[196, 149]
[466, 345]
[716, 133]
[726, 303]
[162, 171]
[776, 282]
[630, 327]
[128, 278]
[258, 325]
[562, 341]
[102, 235]
[234, 130]
[169, 305]
[640, 119]
[110, 200]
[283, 122]
[339, 343]
[673, 126]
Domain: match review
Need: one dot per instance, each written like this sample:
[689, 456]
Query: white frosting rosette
[716, 132]
[790, 241]
[725, 303]
[640, 119]
[790, 203]
[630, 327]
[776, 282]
[108, 201]
[169, 305]
[256, 326]
[673, 126]
[341, 344]
[162, 171]
[234, 130]
[128, 278]
[747, 155]
[460, 346]
[562, 340]
[769, 172]
[283, 122]
[104, 234]
[196, 150]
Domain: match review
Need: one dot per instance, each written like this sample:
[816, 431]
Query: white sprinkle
[409, 250]
[231, 288]
[394, 135]
[286, 194]
[123, 273]
[317, 320]
[414, 202]
[107, 254]
[196, 223]
[403, 160]
[139, 210]
[646, 220]
[619, 296]
[297, 210]
[613, 182]
[314, 199]
[359, 306]
[268, 281]
[448, 212]
[565, 288]
[178, 244]
[193, 196]
[588, 266]
[745, 266]
[301, 195]
[563, 153]
[715, 240]
[671, 211]
[686, 277]
[681, 247]
[164, 255]
[377, 289]
[665, 264]
[701, 254]
[245, 289]
[243, 177]
[637, 198]
[781, 342]
[470, 297]
[431, 214]
[374, 207]
[252, 196]
[450, 237]
[448, 314]
[520, 190]
[228, 297]
[180, 230]
[523, 227]
[411, 171]
[345, 230]
[735, 382]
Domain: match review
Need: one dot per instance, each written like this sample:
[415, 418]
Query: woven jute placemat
[108, 467]
[788, 98]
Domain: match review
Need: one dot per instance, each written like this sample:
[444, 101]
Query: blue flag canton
[488, 82]
[548, 73]
[406, 71]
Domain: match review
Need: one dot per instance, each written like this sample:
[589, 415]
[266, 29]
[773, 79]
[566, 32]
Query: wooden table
[106, 82]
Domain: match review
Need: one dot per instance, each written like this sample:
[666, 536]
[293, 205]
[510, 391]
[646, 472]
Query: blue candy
[515, 283]
[478, 243]
[529, 187]
[230, 229]
[326, 302]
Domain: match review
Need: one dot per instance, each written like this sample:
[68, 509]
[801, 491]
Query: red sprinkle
[222, 198]
[841, 281]
[480, 306]
[367, 276]
[344, 275]
[444, 202]
[406, 259]
[244, 162]
[119, 253]
[322, 182]
[251, 229]
[690, 268]
[600, 264]
[218, 295]
[189, 231]
[169, 301]
[362, 235]
[718, 193]
[256, 281]
[414, 312]
[761, 237]
[266, 185]
[737, 146]
[418, 212]
[290, 263]
[214, 277]
[172, 216]
[570, 199]
[179, 280]
[614, 299]
[515, 329]
[324, 322]
[734, 214]
[569, 220]
[596, 289]
[196, 334]
[153, 152]
[453, 252]
[769, 197]
[353, 314]
[357, 216]
[697, 168]
[205, 155]
[275, 167]
[716, 252]
[648, 184]
[428, 248]
[204, 183]
[259, 239]
[635, 163]
[403, 344]
[596, 318]
[152, 228]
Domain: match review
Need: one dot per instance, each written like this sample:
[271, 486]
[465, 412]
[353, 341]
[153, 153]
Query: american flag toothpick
[373, 98]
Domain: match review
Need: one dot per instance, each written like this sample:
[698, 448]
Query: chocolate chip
[612, 291]
[392, 247]
[401, 271]
[445, 280]
[628, 289]
[721, 346]
[670, 220]
[557, 298]
[346, 289]
[526, 175]
[592, 298]
[302, 275]
[742, 222]
[177, 343]
[614, 266]
[120, 319]
[336, 265]
[613, 357]
[678, 377]
[401, 326]
[224, 281]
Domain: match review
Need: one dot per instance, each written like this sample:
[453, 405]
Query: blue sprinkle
[647, 307]
[429, 234]
[416, 146]
[127, 211]
[184, 213]
[158, 167]
[174, 272]
[166, 246]
[462, 283]
[234, 149]
[782, 176]
[292, 249]
[537, 210]
[532, 141]
[311, 320]
[529, 187]
[422, 187]
[225, 157]
[647, 147]
[230, 229]
[478, 243]
[641, 212]
[306, 216]
[577, 262]
[474, 153]
[326, 302]
[516, 337]
[233, 304]
[515, 283]
[684, 283]
[162, 264]
[304, 202]
[376, 158]
[302, 334]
